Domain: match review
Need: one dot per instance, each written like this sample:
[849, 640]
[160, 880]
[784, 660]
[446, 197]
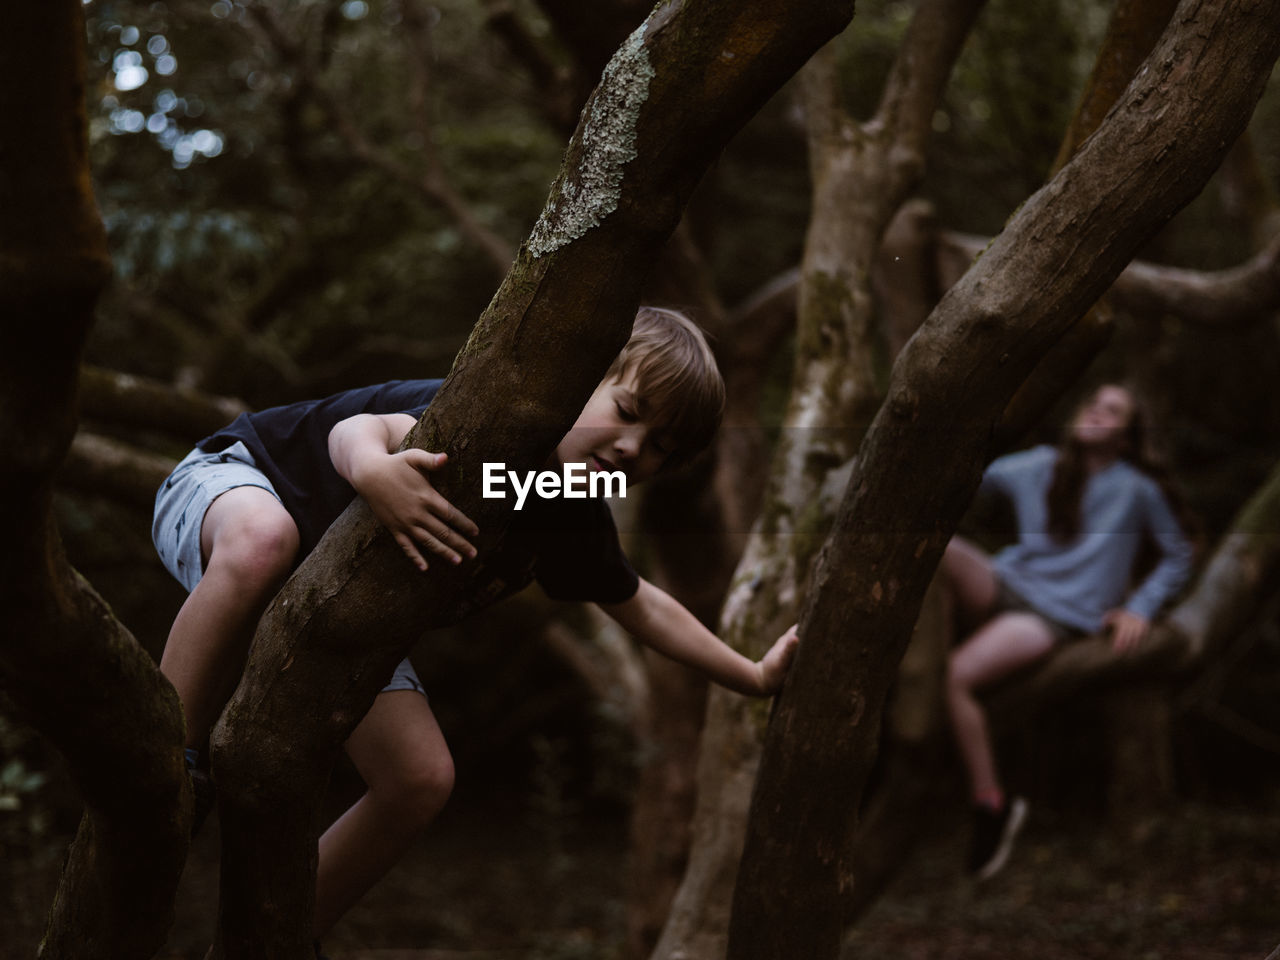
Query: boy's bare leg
[400, 751]
[249, 541]
[1005, 644]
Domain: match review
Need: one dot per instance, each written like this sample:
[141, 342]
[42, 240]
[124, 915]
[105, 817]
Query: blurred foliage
[238, 216]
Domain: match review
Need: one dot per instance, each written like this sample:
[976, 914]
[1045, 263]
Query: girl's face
[613, 434]
[1103, 422]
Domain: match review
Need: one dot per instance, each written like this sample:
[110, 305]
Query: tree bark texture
[674, 93]
[861, 174]
[922, 458]
[74, 671]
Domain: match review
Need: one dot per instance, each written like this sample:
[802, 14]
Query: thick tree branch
[1230, 297]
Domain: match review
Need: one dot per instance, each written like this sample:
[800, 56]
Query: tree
[69, 665]
[673, 94]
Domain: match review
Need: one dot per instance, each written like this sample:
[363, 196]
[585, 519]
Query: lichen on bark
[591, 192]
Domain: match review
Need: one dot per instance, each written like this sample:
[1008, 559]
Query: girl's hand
[773, 666]
[1127, 629]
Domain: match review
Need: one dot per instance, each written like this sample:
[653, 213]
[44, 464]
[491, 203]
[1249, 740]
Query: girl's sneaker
[994, 833]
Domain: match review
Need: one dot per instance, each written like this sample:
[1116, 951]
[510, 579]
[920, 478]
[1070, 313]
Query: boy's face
[611, 434]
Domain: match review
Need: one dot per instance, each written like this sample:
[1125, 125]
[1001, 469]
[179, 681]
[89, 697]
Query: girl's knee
[419, 790]
[956, 678]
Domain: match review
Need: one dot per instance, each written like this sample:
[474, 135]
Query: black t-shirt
[569, 546]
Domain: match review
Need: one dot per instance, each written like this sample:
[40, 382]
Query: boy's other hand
[399, 491]
[773, 666]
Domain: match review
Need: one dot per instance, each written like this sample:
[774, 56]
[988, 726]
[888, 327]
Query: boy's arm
[658, 620]
[395, 485]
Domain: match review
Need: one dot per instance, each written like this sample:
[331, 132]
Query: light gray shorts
[185, 497]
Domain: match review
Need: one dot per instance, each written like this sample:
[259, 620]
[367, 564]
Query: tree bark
[675, 92]
[861, 174]
[921, 461]
[73, 670]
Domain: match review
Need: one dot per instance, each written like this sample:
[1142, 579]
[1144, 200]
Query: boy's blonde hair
[678, 385]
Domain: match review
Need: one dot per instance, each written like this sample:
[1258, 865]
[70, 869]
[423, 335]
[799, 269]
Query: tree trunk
[74, 671]
[861, 174]
[674, 93]
[922, 459]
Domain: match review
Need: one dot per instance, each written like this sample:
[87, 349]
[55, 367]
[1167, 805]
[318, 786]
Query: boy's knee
[257, 549]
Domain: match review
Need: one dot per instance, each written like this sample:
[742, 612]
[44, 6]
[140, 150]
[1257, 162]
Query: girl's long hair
[1066, 490]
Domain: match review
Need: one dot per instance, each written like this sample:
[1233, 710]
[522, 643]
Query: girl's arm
[1173, 570]
[1130, 624]
[658, 620]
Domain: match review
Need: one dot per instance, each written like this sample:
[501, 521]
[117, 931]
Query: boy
[242, 510]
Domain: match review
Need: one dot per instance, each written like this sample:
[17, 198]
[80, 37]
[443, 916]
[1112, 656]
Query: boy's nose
[628, 443]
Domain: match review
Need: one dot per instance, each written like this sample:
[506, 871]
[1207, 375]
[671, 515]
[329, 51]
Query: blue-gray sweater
[1075, 583]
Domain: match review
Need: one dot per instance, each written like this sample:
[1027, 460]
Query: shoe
[994, 832]
[319, 955]
[201, 789]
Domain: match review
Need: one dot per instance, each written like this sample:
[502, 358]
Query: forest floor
[495, 882]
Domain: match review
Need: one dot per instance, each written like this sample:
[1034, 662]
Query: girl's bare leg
[1005, 644]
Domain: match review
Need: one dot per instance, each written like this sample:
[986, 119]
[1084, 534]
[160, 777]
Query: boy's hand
[773, 666]
[397, 488]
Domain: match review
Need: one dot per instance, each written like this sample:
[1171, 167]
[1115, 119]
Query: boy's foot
[994, 832]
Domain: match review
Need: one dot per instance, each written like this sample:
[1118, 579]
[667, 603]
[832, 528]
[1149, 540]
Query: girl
[1083, 511]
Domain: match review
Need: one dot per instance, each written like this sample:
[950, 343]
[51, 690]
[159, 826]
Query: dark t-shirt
[569, 546]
